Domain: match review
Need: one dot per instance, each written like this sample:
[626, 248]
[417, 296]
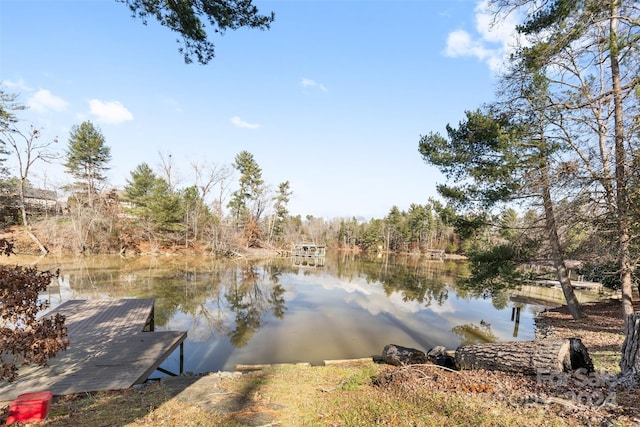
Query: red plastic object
[29, 407]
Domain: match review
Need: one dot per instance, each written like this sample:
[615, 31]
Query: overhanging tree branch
[188, 18]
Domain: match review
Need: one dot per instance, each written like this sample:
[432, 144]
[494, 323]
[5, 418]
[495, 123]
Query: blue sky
[333, 98]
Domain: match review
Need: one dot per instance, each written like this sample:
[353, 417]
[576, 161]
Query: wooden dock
[108, 350]
[308, 250]
[308, 255]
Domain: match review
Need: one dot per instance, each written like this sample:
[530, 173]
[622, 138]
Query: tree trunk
[43, 248]
[547, 356]
[558, 259]
[25, 223]
[551, 228]
[622, 200]
[630, 362]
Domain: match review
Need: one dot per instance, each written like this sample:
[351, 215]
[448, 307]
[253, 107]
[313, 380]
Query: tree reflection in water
[206, 292]
[415, 281]
[247, 299]
[272, 311]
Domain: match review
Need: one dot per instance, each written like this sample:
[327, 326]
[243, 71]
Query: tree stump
[546, 356]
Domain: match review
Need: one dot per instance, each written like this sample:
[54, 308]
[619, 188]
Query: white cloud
[312, 83]
[460, 43]
[112, 112]
[493, 41]
[43, 101]
[237, 121]
[20, 85]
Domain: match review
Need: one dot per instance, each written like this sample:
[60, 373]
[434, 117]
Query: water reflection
[248, 298]
[475, 334]
[270, 312]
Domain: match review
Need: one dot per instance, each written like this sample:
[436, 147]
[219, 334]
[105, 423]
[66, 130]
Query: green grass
[607, 360]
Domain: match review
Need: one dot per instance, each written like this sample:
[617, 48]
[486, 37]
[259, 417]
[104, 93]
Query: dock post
[181, 357]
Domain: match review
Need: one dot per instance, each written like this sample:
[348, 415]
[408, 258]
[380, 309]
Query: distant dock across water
[113, 346]
[307, 254]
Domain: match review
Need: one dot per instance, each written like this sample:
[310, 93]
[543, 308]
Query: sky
[333, 98]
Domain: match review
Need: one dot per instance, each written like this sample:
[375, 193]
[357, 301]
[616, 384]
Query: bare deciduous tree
[28, 149]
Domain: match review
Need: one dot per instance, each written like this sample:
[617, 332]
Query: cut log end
[579, 357]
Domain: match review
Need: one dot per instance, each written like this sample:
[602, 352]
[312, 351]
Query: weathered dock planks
[108, 349]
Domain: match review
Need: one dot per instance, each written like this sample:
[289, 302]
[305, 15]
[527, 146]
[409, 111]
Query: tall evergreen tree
[167, 210]
[397, 230]
[420, 224]
[87, 159]
[139, 189]
[280, 208]
[248, 202]
[494, 160]
[158, 209]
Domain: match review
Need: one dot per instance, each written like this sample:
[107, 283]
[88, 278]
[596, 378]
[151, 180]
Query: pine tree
[280, 209]
[158, 209]
[87, 160]
[248, 202]
[139, 189]
[493, 159]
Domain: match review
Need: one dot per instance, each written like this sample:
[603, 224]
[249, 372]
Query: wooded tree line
[156, 209]
[417, 230]
[152, 208]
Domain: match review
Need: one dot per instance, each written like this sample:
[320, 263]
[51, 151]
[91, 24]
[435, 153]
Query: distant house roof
[36, 193]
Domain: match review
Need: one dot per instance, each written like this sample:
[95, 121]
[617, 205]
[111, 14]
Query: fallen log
[546, 356]
[362, 360]
[398, 355]
[263, 366]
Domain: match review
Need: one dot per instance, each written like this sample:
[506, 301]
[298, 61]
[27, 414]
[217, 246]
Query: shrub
[25, 338]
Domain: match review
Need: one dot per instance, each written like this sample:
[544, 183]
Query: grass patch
[397, 405]
[149, 406]
[607, 360]
[357, 380]
[294, 396]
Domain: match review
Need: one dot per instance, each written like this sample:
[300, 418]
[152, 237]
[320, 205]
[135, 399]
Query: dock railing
[308, 254]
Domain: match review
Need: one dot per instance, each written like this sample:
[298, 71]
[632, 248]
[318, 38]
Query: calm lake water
[242, 312]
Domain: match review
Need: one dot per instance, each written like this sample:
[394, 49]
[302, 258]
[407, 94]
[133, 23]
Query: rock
[446, 361]
[438, 355]
[397, 355]
[436, 352]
